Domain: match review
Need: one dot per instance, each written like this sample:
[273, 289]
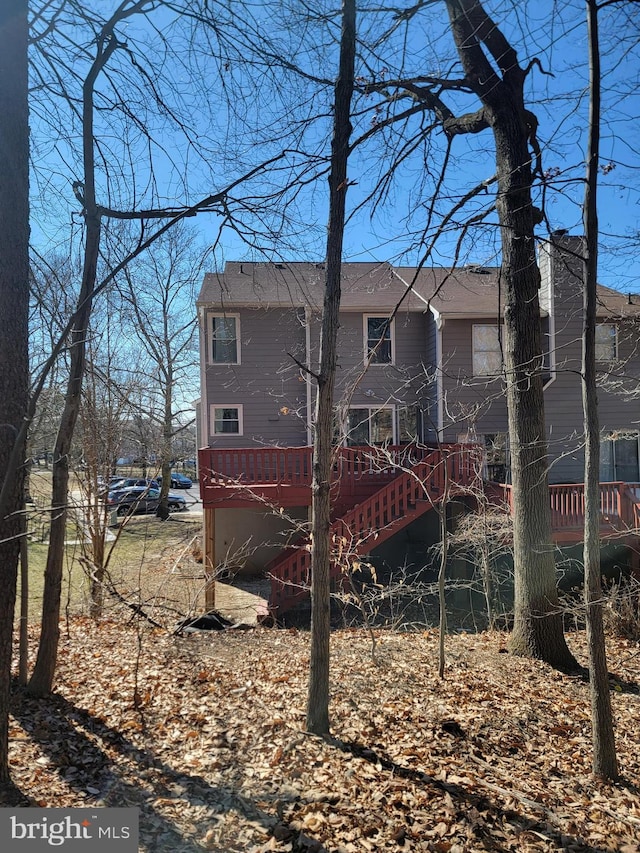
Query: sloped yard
[204, 734]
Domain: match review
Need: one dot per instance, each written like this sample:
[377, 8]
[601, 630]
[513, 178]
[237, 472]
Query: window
[379, 343]
[224, 339]
[619, 458]
[487, 351]
[496, 456]
[227, 420]
[606, 342]
[409, 419]
[369, 426]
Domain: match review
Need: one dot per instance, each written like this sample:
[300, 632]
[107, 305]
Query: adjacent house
[420, 387]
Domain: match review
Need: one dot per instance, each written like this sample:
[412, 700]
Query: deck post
[209, 557]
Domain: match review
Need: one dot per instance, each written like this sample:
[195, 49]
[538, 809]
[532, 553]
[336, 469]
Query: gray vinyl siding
[430, 396]
[471, 403]
[619, 383]
[268, 380]
[267, 383]
[405, 382]
[272, 389]
[563, 396]
[618, 408]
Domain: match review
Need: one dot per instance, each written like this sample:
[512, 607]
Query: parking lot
[192, 496]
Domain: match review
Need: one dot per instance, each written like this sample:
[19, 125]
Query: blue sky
[555, 35]
[226, 136]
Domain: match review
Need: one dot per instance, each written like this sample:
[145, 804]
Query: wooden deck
[282, 476]
[375, 493]
[619, 510]
[443, 473]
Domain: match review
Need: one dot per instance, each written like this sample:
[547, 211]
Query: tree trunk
[537, 623]
[97, 533]
[23, 642]
[537, 630]
[604, 749]
[14, 310]
[41, 682]
[167, 437]
[318, 696]
[442, 572]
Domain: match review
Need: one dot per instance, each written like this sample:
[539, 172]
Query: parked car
[134, 499]
[147, 482]
[178, 481]
[130, 482]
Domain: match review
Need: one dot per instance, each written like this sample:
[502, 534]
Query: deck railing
[619, 505]
[292, 466]
[413, 490]
[264, 465]
[373, 467]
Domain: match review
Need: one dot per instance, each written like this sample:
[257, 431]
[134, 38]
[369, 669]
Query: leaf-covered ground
[204, 734]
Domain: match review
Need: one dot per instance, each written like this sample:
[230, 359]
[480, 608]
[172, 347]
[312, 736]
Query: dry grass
[143, 563]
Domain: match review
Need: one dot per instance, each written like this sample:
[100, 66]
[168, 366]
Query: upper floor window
[227, 420]
[487, 351]
[225, 339]
[606, 342]
[379, 340]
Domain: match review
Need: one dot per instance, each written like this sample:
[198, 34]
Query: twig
[516, 795]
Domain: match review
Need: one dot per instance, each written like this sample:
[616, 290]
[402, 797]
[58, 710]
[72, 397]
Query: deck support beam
[209, 557]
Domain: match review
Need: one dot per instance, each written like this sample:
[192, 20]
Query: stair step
[354, 520]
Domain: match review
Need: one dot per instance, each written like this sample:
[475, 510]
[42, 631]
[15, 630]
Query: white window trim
[614, 326]
[212, 316]
[212, 416]
[475, 326]
[365, 333]
[372, 410]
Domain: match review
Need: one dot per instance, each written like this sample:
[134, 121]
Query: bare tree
[14, 310]
[104, 413]
[318, 696]
[95, 172]
[604, 750]
[160, 294]
[494, 74]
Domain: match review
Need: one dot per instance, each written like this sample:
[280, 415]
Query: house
[420, 373]
[470, 398]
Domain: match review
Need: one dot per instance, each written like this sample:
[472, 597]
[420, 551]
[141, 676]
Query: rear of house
[471, 403]
[419, 364]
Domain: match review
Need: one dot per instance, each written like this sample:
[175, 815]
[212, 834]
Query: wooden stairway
[362, 528]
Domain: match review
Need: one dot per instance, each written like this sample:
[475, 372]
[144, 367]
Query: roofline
[602, 310]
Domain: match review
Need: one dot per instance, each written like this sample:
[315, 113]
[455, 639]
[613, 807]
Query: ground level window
[369, 426]
[227, 420]
[619, 458]
[496, 456]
